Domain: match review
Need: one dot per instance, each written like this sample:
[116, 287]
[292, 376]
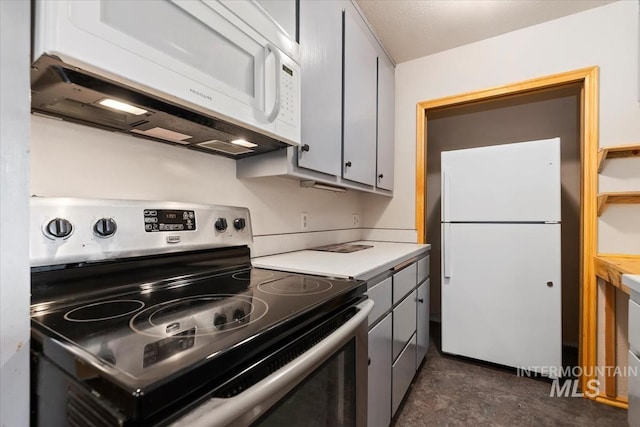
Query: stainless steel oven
[150, 313]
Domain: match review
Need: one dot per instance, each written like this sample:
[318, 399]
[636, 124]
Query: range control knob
[220, 321]
[221, 224]
[239, 316]
[239, 223]
[59, 228]
[105, 227]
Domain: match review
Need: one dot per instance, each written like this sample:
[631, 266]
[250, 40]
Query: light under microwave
[213, 75]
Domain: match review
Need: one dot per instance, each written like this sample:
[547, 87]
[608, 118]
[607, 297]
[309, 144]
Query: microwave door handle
[276, 104]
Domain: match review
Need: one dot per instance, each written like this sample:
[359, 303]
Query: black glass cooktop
[149, 333]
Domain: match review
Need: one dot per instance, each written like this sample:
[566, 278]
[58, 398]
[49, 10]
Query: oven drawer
[403, 372]
[381, 296]
[634, 327]
[423, 269]
[404, 323]
[403, 282]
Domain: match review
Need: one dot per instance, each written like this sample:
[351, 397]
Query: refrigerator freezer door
[502, 300]
[517, 182]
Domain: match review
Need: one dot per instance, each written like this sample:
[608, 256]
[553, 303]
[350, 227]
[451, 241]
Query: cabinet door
[422, 321]
[360, 86]
[321, 86]
[404, 369]
[404, 323]
[379, 403]
[386, 120]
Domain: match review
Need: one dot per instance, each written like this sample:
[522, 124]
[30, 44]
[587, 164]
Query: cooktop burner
[253, 274]
[104, 310]
[296, 285]
[204, 315]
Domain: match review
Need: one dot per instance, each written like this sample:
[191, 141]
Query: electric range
[144, 311]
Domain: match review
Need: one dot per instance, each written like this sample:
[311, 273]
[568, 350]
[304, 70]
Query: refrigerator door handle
[446, 251]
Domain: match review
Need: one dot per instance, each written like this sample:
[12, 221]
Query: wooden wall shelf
[617, 151]
[617, 197]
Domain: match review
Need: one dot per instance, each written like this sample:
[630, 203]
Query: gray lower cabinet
[422, 323]
[398, 336]
[404, 323]
[379, 403]
[634, 359]
[404, 368]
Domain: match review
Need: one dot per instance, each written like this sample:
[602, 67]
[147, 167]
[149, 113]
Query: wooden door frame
[589, 143]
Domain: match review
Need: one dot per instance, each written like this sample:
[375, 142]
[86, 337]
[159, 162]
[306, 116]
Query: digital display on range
[167, 347]
[169, 220]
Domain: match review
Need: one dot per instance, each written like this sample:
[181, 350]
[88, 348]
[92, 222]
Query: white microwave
[217, 76]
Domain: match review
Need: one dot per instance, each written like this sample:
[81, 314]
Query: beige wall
[549, 115]
[606, 36]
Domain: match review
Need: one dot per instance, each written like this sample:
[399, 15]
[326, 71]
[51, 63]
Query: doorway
[585, 84]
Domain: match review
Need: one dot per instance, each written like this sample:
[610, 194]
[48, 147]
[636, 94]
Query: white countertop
[633, 282]
[364, 264]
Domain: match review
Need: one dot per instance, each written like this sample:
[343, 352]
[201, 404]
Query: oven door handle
[250, 403]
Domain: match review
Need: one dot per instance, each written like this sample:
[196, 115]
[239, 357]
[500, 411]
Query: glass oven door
[326, 385]
[325, 398]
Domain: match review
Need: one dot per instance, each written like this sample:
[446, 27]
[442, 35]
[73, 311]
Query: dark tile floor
[450, 391]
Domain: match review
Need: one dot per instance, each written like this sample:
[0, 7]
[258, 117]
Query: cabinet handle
[305, 147]
[550, 284]
[420, 300]
[348, 164]
[369, 362]
[380, 176]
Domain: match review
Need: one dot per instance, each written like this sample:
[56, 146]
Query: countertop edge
[362, 275]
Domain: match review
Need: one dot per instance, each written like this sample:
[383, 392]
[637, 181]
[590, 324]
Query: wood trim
[610, 339]
[421, 174]
[589, 131]
[618, 403]
[588, 224]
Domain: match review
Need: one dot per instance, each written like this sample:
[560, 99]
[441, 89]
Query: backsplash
[70, 160]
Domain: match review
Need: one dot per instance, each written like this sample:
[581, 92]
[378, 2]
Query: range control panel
[169, 220]
[65, 230]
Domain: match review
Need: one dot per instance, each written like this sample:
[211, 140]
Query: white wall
[606, 36]
[70, 160]
[14, 213]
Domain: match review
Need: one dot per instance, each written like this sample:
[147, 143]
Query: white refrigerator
[501, 266]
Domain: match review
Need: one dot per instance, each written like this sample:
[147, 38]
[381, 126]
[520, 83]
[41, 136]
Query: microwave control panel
[169, 220]
[288, 91]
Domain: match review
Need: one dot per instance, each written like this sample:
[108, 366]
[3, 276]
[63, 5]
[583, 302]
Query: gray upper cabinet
[360, 92]
[386, 120]
[347, 102]
[321, 93]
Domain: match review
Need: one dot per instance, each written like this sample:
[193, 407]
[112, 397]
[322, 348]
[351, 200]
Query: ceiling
[410, 29]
